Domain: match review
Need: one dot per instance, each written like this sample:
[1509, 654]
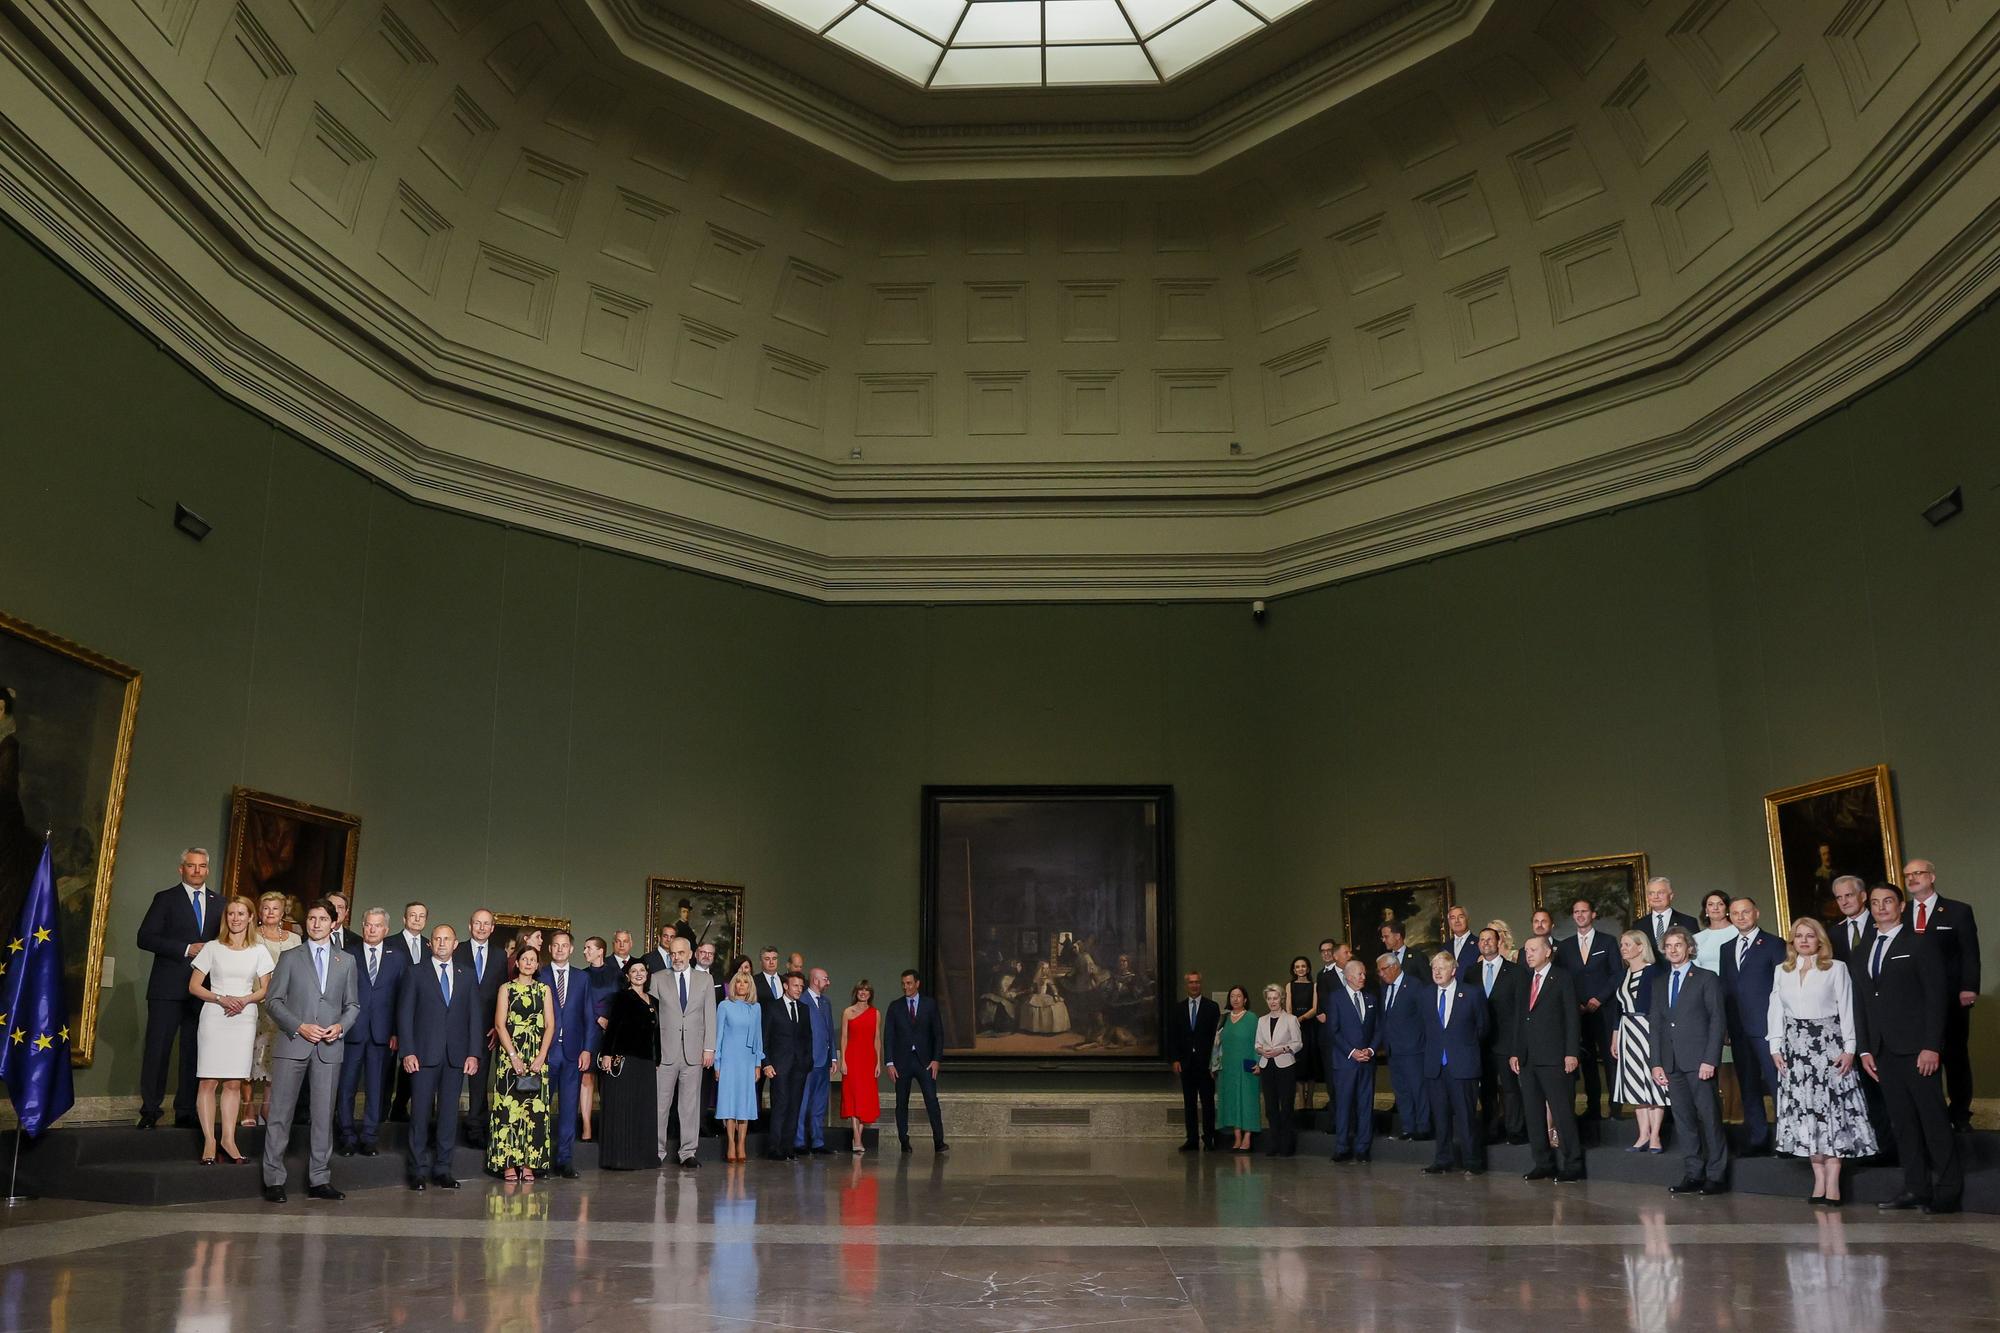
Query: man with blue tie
[1351, 1023]
[912, 1040]
[1402, 1041]
[379, 971]
[823, 1044]
[575, 1045]
[1454, 1032]
[312, 1002]
[1686, 1026]
[1498, 980]
[1461, 943]
[177, 923]
[489, 973]
[1749, 963]
[438, 1034]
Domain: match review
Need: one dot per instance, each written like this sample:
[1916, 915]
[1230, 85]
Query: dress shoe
[1426, 1137]
[369, 1150]
[1713, 1188]
[1435, 1170]
[1689, 1185]
[345, 1150]
[1938, 1209]
[326, 1192]
[940, 1147]
[444, 1182]
[1902, 1203]
[274, 1194]
[1406, 1138]
[1475, 1170]
[186, 1122]
[147, 1120]
[416, 1184]
[822, 1151]
[689, 1164]
[1190, 1146]
[1362, 1158]
[568, 1172]
[1569, 1177]
[907, 1147]
[1539, 1173]
[779, 1157]
[1343, 1157]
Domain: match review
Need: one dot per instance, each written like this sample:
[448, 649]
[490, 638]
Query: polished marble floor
[998, 1236]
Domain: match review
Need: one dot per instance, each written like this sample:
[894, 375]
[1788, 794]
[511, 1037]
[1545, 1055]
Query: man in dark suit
[1460, 941]
[787, 1064]
[343, 937]
[1660, 915]
[438, 1034]
[1900, 1008]
[1947, 925]
[824, 1045]
[1454, 1032]
[1353, 1017]
[1749, 962]
[1190, 1037]
[912, 1040]
[365, 1066]
[769, 981]
[415, 941]
[1547, 1035]
[488, 966]
[575, 1047]
[1400, 1040]
[1591, 959]
[1499, 981]
[1852, 934]
[177, 923]
[1687, 1020]
[1394, 943]
[660, 958]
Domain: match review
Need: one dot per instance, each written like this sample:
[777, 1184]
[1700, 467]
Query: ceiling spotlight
[1945, 508]
[193, 524]
[1235, 447]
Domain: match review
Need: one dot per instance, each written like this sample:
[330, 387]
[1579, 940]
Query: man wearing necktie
[1454, 1030]
[1351, 1023]
[1190, 1041]
[574, 1049]
[1949, 927]
[687, 1047]
[1686, 1024]
[1547, 1039]
[825, 1048]
[380, 965]
[1499, 981]
[415, 942]
[1901, 1006]
[178, 922]
[488, 966]
[1749, 967]
[313, 1000]
[912, 1040]
[438, 1034]
[787, 1062]
[1402, 1043]
[1660, 915]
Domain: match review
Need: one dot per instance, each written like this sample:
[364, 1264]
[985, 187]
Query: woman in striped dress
[1632, 1042]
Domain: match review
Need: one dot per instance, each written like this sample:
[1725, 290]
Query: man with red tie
[1947, 925]
[1547, 1035]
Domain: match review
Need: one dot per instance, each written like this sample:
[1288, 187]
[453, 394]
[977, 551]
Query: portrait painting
[1048, 921]
[66, 721]
[701, 912]
[1419, 904]
[1819, 831]
[1615, 886]
[279, 845]
[509, 927]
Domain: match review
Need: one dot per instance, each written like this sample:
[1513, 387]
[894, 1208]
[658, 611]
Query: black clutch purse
[525, 1085]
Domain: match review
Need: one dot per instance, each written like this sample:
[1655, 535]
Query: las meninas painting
[1048, 919]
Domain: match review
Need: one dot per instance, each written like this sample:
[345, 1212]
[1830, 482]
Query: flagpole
[15, 1200]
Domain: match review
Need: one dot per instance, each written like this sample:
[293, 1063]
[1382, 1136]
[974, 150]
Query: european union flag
[34, 1018]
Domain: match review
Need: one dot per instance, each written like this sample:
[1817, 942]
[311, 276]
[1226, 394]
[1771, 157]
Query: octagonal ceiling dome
[942, 44]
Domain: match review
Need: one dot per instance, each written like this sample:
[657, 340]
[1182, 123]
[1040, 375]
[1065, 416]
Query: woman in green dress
[1236, 1101]
[518, 1142]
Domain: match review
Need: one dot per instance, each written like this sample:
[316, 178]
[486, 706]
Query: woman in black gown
[1301, 1002]
[628, 1059]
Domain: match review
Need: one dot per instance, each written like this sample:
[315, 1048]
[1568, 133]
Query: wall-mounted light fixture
[191, 523]
[1945, 508]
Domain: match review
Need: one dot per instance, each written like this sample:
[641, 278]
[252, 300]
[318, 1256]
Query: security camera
[1257, 610]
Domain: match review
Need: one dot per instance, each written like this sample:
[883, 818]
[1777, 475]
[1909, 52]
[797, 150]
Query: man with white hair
[1660, 914]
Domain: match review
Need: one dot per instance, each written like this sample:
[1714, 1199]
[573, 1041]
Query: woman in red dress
[861, 1061]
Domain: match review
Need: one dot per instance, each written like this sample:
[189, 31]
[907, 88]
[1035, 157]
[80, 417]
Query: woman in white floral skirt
[1822, 1114]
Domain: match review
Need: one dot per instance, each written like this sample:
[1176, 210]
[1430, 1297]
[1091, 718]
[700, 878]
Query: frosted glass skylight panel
[1200, 35]
[990, 67]
[970, 44]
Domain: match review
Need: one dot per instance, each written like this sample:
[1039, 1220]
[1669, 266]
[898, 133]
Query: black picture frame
[951, 970]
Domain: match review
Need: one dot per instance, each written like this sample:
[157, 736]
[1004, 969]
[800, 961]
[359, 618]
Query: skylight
[1034, 43]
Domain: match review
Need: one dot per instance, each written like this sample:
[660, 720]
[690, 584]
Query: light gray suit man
[1686, 1029]
[311, 1019]
[687, 1046]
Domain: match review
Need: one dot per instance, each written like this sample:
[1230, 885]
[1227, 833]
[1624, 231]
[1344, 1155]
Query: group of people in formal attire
[410, 1023]
[1857, 1030]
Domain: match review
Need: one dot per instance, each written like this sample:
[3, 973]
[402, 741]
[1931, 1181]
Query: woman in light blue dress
[739, 1056]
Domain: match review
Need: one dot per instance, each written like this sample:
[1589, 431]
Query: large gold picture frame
[716, 911]
[1821, 830]
[510, 926]
[1615, 885]
[1420, 904]
[66, 729]
[279, 845]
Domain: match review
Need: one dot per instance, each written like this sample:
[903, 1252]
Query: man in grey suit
[1687, 1028]
[313, 1000]
[687, 1046]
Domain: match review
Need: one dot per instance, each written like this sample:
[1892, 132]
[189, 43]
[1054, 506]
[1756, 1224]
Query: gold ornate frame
[508, 926]
[661, 887]
[242, 800]
[1439, 884]
[84, 1049]
[1875, 776]
[1637, 872]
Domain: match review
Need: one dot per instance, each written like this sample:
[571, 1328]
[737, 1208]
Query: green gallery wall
[534, 726]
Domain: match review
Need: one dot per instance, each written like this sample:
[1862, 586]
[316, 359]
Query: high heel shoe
[234, 1158]
[206, 1161]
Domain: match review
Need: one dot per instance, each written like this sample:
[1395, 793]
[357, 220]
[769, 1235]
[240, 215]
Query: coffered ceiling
[1377, 282]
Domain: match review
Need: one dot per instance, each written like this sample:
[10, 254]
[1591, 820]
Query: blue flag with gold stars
[34, 1018]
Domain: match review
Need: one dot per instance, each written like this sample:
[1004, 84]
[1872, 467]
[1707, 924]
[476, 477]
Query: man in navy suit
[1591, 959]
[1498, 980]
[379, 971]
[1454, 1035]
[438, 1034]
[1401, 1034]
[1460, 942]
[1749, 962]
[787, 1063]
[179, 921]
[1660, 915]
[1852, 933]
[1352, 1018]
[1947, 925]
[575, 1046]
[824, 1047]
[913, 1038]
[489, 974]
[1191, 1026]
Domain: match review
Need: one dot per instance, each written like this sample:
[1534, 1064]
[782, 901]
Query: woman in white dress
[1822, 1112]
[230, 977]
[276, 937]
[1044, 1012]
[1715, 931]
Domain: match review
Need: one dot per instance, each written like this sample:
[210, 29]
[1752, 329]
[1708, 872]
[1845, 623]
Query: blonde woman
[739, 1059]
[277, 937]
[1632, 1040]
[1822, 1114]
[1278, 1045]
[230, 976]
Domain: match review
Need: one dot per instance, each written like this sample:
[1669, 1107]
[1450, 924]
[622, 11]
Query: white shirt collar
[1890, 933]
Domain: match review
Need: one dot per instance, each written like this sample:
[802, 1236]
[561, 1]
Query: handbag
[525, 1085]
[1250, 1066]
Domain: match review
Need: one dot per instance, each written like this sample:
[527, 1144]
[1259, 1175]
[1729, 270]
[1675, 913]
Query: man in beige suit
[313, 1000]
[687, 1046]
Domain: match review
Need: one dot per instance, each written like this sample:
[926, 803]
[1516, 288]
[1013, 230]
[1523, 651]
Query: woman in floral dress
[519, 1143]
